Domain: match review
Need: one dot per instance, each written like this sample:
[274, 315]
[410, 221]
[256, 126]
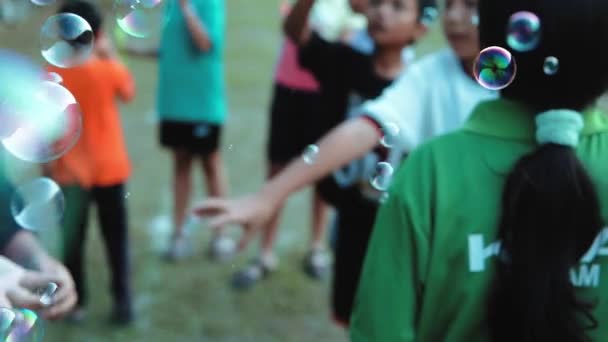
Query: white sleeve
[402, 104]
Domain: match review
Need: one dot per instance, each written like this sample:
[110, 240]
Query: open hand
[252, 212]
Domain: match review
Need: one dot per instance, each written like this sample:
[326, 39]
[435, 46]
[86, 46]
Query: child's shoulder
[442, 60]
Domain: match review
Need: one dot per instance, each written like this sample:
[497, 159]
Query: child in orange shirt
[97, 168]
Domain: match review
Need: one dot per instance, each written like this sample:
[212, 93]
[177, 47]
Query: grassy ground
[191, 301]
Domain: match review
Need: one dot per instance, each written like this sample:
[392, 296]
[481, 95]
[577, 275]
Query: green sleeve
[388, 298]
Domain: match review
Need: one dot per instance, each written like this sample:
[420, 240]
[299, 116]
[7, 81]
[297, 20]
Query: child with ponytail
[509, 245]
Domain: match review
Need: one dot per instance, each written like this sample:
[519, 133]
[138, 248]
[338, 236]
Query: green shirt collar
[508, 119]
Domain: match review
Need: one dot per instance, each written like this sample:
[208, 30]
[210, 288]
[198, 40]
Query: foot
[257, 270]
[316, 264]
[77, 316]
[179, 249]
[122, 314]
[221, 248]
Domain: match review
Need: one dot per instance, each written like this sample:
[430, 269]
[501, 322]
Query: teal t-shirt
[432, 253]
[191, 86]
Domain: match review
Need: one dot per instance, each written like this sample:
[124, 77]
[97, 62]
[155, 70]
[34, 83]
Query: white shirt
[433, 96]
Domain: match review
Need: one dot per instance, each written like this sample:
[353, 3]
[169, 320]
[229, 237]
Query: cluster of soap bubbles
[41, 119]
[495, 68]
[382, 176]
[20, 325]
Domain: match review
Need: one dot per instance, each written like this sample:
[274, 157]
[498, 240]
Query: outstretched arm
[296, 25]
[347, 142]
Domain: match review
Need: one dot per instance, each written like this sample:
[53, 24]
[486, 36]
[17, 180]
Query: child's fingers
[4, 302]
[221, 220]
[23, 298]
[34, 280]
[60, 308]
[210, 207]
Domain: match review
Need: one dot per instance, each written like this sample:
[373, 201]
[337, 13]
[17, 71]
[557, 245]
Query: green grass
[192, 301]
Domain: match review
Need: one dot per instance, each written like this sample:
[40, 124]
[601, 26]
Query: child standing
[511, 244]
[347, 77]
[296, 95]
[97, 168]
[431, 97]
[192, 108]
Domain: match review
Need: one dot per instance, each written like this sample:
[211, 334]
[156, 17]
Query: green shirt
[191, 86]
[431, 256]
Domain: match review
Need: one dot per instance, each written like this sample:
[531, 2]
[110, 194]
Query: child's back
[97, 86]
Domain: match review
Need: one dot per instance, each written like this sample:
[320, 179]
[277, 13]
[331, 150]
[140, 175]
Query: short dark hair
[86, 10]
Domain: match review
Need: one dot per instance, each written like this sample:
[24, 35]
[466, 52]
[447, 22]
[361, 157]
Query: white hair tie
[560, 126]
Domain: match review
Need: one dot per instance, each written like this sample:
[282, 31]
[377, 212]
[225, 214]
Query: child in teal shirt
[192, 104]
[510, 244]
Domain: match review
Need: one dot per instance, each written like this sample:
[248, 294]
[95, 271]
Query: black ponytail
[550, 217]
[550, 212]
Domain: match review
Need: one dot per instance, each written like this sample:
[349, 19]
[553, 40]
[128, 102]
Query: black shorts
[290, 123]
[354, 225]
[196, 138]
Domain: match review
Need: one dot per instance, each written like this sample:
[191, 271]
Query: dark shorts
[290, 123]
[196, 138]
[354, 227]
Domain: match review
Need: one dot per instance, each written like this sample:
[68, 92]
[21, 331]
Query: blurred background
[192, 301]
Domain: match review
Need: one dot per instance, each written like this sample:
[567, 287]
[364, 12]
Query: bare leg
[215, 177]
[182, 188]
[269, 233]
[319, 221]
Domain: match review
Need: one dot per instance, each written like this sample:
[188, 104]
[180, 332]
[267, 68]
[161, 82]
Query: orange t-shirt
[99, 158]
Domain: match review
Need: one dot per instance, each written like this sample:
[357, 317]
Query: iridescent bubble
[38, 205]
[391, 132]
[16, 95]
[429, 15]
[382, 176]
[47, 294]
[495, 68]
[49, 128]
[54, 77]
[66, 40]
[137, 18]
[7, 317]
[524, 31]
[27, 327]
[310, 154]
[42, 2]
[551, 66]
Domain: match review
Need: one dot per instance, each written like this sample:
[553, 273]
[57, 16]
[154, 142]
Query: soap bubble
[137, 18]
[524, 31]
[38, 205]
[54, 77]
[66, 40]
[391, 132]
[42, 2]
[7, 318]
[310, 154]
[47, 294]
[495, 68]
[382, 177]
[16, 95]
[551, 66]
[47, 129]
[27, 327]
